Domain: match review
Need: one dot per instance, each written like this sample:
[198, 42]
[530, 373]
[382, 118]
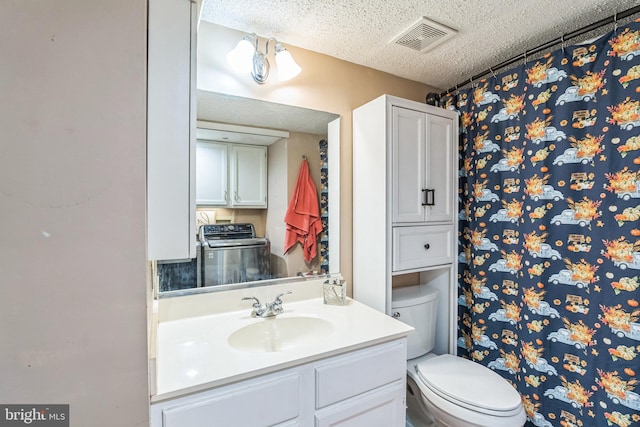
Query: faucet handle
[277, 300]
[256, 301]
[257, 311]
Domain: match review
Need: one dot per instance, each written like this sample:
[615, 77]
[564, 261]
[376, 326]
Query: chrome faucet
[271, 309]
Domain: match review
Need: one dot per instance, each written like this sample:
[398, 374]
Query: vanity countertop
[193, 353]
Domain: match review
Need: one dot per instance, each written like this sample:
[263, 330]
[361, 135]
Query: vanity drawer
[249, 405]
[421, 246]
[359, 372]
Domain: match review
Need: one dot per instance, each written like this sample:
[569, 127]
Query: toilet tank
[417, 306]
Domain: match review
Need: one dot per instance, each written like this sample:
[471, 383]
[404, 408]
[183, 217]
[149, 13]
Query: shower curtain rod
[565, 37]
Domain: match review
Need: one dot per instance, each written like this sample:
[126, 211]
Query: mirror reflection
[251, 158]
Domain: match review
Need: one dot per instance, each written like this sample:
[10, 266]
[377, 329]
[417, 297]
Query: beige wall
[299, 145]
[73, 299]
[326, 83]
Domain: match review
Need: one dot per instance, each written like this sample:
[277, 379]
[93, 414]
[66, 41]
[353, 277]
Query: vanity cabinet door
[384, 407]
[248, 170]
[363, 388]
[211, 174]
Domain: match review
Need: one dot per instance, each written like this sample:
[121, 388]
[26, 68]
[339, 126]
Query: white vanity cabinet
[171, 127]
[231, 175]
[404, 195]
[363, 388]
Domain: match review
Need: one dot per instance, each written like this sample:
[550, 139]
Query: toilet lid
[468, 384]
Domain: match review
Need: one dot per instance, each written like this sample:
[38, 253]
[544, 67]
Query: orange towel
[303, 215]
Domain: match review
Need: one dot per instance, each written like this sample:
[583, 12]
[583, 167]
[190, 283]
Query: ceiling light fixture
[247, 58]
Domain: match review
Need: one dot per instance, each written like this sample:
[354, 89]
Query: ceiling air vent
[424, 35]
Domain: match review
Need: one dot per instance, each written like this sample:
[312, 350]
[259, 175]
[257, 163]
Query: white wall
[72, 208]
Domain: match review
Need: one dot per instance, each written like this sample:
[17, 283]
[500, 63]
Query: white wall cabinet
[404, 194]
[422, 152]
[171, 128]
[231, 175]
[363, 388]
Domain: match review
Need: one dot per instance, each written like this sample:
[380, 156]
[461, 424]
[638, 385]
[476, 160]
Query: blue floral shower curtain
[550, 230]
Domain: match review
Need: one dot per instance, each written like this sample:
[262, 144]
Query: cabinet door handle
[432, 199]
[226, 196]
[429, 197]
[235, 193]
[427, 246]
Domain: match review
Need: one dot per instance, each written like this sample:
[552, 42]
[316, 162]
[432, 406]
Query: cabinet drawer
[250, 405]
[359, 372]
[422, 246]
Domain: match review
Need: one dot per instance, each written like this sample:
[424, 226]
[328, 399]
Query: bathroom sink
[280, 334]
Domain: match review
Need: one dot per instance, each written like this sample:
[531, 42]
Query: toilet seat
[458, 381]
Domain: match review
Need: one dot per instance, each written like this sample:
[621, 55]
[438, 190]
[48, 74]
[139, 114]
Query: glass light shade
[287, 67]
[241, 57]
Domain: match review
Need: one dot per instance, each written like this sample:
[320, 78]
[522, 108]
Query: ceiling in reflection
[222, 108]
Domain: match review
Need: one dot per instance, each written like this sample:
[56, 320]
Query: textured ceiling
[360, 31]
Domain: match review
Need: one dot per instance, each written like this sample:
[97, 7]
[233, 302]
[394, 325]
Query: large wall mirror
[232, 132]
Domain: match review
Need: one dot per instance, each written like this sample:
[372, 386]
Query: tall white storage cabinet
[171, 129]
[404, 212]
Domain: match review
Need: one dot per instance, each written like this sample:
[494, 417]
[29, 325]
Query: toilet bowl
[447, 389]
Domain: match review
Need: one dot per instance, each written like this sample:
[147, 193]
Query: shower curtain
[549, 242]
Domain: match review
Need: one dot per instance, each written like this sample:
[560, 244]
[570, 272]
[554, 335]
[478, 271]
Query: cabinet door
[356, 373]
[383, 408]
[171, 130]
[248, 176]
[441, 156]
[408, 165]
[211, 174]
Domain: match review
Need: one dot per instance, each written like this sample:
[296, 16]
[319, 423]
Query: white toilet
[447, 390]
